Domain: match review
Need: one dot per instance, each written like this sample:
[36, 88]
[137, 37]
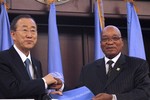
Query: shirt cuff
[62, 87]
[45, 83]
[114, 97]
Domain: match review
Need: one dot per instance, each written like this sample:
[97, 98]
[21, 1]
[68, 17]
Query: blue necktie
[27, 63]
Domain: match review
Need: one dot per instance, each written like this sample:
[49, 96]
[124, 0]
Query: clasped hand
[53, 83]
[56, 86]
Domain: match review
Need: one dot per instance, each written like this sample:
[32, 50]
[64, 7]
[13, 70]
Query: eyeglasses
[114, 39]
[27, 31]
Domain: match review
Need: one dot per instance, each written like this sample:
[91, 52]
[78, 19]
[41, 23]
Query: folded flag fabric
[98, 29]
[54, 53]
[135, 37]
[5, 37]
[81, 93]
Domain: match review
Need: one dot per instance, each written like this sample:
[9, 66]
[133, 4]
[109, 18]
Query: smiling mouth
[110, 47]
[28, 41]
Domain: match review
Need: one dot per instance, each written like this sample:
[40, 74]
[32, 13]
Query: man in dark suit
[127, 79]
[15, 80]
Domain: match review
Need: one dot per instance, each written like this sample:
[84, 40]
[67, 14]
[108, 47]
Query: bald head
[111, 41]
[111, 28]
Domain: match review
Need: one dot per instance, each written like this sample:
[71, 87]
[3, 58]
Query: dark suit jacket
[14, 79]
[129, 79]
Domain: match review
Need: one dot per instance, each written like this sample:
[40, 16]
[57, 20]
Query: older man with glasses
[20, 73]
[116, 76]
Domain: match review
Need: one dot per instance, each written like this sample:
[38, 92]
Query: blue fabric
[82, 93]
[135, 38]
[54, 53]
[5, 37]
[97, 51]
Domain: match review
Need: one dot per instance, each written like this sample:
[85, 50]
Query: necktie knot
[27, 62]
[110, 62]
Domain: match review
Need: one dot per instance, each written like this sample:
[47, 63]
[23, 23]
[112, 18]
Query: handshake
[54, 82]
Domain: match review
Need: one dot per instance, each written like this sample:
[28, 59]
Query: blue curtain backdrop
[54, 53]
[98, 52]
[135, 38]
[5, 37]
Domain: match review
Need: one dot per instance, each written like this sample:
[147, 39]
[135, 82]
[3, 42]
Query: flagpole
[101, 14]
[134, 5]
[5, 4]
[99, 23]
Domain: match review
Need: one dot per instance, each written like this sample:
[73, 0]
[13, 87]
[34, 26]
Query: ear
[122, 42]
[12, 33]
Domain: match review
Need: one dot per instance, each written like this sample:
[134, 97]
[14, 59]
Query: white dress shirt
[107, 68]
[23, 58]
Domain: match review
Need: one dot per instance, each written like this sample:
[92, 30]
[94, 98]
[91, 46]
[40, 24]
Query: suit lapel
[19, 65]
[116, 70]
[35, 68]
[101, 72]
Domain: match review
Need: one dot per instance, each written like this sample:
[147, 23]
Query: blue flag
[5, 37]
[98, 52]
[82, 93]
[54, 53]
[135, 38]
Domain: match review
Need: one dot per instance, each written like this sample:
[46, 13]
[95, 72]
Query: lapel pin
[118, 69]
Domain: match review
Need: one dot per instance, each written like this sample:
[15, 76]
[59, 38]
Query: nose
[29, 34]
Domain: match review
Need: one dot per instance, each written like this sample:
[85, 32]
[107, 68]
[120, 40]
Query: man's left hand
[103, 96]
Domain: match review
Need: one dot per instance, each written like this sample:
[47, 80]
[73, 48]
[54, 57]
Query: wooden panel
[40, 51]
[118, 8]
[35, 7]
[77, 6]
[112, 8]
[27, 5]
[72, 54]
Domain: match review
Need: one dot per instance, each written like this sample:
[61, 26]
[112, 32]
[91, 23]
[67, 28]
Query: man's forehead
[25, 22]
[111, 31]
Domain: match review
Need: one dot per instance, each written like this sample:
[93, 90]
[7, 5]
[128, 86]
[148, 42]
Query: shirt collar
[22, 55]
[114, 59]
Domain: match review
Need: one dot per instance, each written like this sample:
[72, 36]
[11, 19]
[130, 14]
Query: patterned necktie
[110, 62]
[27, 63]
